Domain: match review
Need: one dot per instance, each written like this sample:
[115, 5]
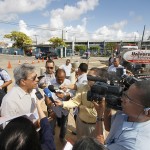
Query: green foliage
[80, 47]
[20, 39]
[110, 46]
[94, 47]
[57, 42]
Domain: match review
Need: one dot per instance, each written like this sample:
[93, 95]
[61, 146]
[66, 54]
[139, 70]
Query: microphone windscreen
[51, 88]
[47, 92]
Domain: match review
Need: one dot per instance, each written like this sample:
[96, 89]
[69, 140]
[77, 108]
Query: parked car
[45, 55]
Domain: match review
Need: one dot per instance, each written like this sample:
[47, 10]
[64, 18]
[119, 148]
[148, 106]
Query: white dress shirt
[58, 109]
[18, 102]
[82, 79]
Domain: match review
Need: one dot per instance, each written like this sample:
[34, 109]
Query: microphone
[94, 78]
[49, 95]
[51, 88]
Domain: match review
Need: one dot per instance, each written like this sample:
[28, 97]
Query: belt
[88, 122]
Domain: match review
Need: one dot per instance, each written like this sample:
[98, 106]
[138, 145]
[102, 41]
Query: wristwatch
[99, 119]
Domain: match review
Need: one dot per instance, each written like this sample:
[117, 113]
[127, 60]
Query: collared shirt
[126, 135]
[57, 109]
[82, 79]
[67, 69]
[4, 77]
[18, 102]
[112, 68]
[47, 79]
[87, 112]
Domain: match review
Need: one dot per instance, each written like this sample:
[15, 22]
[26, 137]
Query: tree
[80, 47]
[57, 42]
[94, 47]
[20, 39]
[110, 47]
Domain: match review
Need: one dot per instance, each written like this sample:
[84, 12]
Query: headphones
[146, 111]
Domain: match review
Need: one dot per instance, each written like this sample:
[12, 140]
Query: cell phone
[39, 95]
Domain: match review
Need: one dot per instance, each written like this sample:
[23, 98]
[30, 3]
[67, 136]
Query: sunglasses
[32, 79]
[49, 67]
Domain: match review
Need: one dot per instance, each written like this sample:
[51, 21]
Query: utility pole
[143, 36]
[62, 35]
[36, 38]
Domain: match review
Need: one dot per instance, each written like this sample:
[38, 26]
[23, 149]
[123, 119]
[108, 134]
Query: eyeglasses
[124, 95]
[49, 67]
[33, 78]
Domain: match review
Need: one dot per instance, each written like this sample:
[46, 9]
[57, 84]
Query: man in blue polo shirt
[129, 128]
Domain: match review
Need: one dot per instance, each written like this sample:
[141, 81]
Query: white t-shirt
[67, 69]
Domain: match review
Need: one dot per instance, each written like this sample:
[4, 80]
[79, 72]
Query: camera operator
[129, 128]
[86, 118]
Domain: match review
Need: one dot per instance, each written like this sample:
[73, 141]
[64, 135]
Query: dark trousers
[62, 123]
[63, 126]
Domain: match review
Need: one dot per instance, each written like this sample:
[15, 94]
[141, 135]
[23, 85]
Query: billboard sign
[137, 56]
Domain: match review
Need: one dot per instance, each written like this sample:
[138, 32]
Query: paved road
[15, 60]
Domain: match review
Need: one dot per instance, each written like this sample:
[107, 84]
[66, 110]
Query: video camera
[111, 89]
[112, 94]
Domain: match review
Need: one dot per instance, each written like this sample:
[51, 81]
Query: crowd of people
[128, 129]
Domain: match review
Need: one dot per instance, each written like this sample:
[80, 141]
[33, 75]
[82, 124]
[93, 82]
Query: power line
[57, 29]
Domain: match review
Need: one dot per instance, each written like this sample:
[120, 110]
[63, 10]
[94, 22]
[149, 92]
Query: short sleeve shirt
[4, 77]
[17, 102]
[67, 69]
[126, 135]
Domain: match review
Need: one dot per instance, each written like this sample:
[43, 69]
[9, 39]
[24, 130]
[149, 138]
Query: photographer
[129, 128]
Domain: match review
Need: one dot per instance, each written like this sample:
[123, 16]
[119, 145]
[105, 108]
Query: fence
[11, 51]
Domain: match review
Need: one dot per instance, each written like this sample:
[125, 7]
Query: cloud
[119, 25]
[131, 13]
[41, 33]
[136, 18]
[10, 17]
[59, 16]
[23, 28]
[9, 9]
[112, 32]
[46, 13]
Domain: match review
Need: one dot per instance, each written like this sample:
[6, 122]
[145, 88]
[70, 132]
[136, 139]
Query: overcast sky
[78, 19]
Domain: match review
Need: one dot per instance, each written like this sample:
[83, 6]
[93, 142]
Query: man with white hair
[21, 98]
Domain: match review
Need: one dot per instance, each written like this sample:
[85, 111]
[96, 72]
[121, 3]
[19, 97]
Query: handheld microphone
[49, 95]
[51, 88]
[94, 78]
